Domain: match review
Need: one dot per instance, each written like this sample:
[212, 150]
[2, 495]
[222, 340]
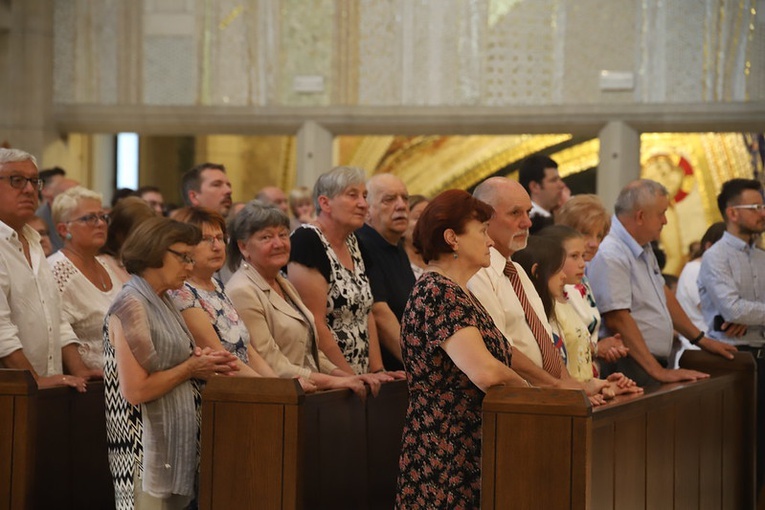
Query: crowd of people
[352, 285]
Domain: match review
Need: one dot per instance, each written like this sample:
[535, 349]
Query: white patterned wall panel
[380, 53]
[64, 77]
[306, 42]
[684, 54]
[170, 71]
[519, 55]
[410, 52]
[230, 56]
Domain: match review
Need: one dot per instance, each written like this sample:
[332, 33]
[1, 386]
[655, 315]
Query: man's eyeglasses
[19, 181]
[92, 219]
[220, 238]
[751, 207]
[185, 257]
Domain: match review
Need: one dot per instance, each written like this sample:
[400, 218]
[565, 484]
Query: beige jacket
[283, 336]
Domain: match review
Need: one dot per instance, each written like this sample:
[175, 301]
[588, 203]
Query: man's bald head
[509, 227]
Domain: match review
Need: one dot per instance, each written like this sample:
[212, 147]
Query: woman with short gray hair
[327, 269]
[281, 328]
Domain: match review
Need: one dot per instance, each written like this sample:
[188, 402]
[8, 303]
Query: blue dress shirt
[732, 284]
[626, 276]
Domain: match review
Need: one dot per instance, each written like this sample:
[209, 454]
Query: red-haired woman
[452, 354]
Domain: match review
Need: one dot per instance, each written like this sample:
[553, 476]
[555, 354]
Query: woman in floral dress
[205, 307]
[452, 354]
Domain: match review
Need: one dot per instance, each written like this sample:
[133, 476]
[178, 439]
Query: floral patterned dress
[572, 329]
[231, 331]
[440, 463]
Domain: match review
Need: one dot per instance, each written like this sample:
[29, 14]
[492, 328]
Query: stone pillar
[103, 165]
[26, 90]
[314, 153]
[619, 160]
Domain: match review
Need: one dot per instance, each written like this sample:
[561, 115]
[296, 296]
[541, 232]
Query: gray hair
[253, 217]
[15, 156]
[334, 182]
[637, 194]
[66, 202]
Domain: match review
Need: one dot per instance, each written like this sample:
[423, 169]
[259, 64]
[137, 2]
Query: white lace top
[84, 306]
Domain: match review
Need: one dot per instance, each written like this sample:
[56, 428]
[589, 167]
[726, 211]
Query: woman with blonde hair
[86, 284]
[587, 215]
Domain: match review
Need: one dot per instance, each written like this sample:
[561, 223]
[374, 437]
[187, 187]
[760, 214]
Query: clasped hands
[207, 362]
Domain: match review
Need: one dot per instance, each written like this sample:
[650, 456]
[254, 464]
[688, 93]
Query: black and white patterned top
[349, 298]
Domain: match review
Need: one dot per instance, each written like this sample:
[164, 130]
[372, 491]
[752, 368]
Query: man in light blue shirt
[630, 292]
[732, 284]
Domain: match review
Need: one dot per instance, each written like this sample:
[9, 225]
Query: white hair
[69, 200]
[15, 156]
[637, 194]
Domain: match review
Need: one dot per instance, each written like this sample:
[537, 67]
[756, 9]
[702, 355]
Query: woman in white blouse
[86, 285]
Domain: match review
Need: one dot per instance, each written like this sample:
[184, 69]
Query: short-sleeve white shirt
[30, 313]
[495, 292]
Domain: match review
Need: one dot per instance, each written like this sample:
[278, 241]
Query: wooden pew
[52, 446]
[267, 445]
[685, 445]
[17, 421]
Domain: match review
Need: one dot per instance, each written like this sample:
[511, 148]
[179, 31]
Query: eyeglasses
[92, 219]
[19, 181]
[752, 207]
[220, 238]
[185, 257]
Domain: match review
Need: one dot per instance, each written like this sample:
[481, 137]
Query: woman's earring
[68, 236]
[454, 254]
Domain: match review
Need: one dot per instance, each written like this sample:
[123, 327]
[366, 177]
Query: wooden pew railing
[684, 445]
[52, 446]
[267, 445]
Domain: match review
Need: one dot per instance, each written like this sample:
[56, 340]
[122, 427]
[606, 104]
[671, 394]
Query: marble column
[314, 153]
[619, 160]
[103, 169]
[26, 91]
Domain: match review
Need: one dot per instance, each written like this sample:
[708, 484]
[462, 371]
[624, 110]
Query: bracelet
[698, 338]
[380, 371]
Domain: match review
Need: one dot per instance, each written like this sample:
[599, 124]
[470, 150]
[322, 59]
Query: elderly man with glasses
[33, 335]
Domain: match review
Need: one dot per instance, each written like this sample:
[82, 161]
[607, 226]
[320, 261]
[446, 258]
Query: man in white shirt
[32, 332]
[509, 229]
[539, 176]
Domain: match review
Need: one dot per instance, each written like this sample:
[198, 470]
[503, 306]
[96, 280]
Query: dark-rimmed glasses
[185, 257]
[19, 181]
[220, 238]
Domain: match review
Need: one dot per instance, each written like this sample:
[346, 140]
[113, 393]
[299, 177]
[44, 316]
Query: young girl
[565, 318]
[551, 262]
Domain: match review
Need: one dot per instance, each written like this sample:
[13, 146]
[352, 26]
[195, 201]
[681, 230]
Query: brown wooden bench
[267, 445]
[685, 445]
[52, 446]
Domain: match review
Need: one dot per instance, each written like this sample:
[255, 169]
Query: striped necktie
[551, 360]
